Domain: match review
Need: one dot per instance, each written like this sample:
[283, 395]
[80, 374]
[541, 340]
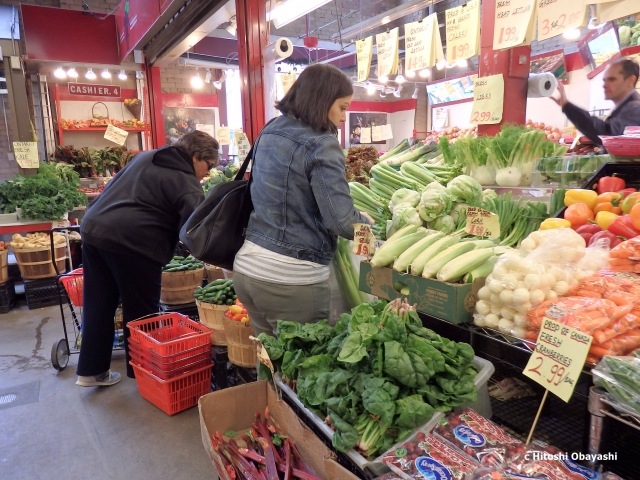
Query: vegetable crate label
[482, 223]
[364, 242]
[558, 359]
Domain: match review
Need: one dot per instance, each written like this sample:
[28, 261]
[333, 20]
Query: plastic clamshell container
[375, 467]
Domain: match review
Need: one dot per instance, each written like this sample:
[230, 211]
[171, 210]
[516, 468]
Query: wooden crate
[178, 287]
[35, 263]
[213, 317]
[4, 266]
[242, 351]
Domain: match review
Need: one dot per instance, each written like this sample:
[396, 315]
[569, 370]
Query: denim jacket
[300, 194]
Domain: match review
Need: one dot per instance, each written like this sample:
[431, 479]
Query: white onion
[496, 309]
[551, 295]
[528, 244]
[521, 296]
[505, 325]
[479, 321]
[507, 313]
[495, 286]
[506, 297]
[510, 281]
[483, 308]
[519, 332]
[484, 293]
[561, 288]
[537, 296]
[524, 308]
[495, 299]
[520, 320]
[531, 281]
[551, 280]
[491, 320]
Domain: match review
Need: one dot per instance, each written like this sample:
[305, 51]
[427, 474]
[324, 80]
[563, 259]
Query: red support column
[251, 19]
[514, 65]
[155, 107]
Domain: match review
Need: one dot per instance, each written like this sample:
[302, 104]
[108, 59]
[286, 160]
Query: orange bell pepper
[578, 214]
[609, 202]
[578, 195]
[635, 216]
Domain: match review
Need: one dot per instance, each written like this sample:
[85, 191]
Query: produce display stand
[25, 227]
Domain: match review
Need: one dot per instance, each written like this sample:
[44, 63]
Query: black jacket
[624, 115]
[141, 211]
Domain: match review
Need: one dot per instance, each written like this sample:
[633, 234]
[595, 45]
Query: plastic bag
[620, 376]
[617, 346]
[547, 462]
[478, 437]
[596, 258]
[611, 476]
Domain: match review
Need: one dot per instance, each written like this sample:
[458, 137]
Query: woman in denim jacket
[301, 205]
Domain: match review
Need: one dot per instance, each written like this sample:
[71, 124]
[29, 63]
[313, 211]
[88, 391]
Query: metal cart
[70, 288]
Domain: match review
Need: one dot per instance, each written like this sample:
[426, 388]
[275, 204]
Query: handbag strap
[245, 164]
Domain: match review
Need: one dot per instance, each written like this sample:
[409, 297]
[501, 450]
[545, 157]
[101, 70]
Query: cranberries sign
[93, 90]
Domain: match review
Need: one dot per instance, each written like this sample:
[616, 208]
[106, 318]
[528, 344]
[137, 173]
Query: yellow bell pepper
[551, 223]
[235, 309]
[578, 195]
[604, 219]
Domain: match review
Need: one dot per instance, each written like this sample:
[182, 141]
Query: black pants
[111, 278]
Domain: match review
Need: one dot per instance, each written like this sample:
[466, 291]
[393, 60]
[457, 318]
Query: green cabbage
[443, 224]
[403, 215]
[625, 36]
[404, 196]
[434, 186]
[465, 189]
[434, 204]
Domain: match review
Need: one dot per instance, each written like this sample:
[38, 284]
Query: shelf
[101, 129]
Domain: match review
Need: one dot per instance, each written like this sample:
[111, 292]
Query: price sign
[364, 51]
[387, 44]
[514, 23]
[26, 154]
[463, 31]
[116, 135]
[482, 223]
[610, 11]
[557, 16]
[488, 100]
[558, 358]
[364, 243]
[376, 133]
[440, 117]
[387, 133]
[203, 127]
[223, 136]
[365, 135]
[287, 81]
[243, 145]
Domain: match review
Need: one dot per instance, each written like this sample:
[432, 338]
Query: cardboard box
[448, 301]
[235, 409]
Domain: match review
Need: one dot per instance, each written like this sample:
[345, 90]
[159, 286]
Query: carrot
[532, 335]
[620, 262]
[604, 335]
[599, 352]
[625, 268]
[620, 254]
[621, 298]
[617, 313]
[588, 293]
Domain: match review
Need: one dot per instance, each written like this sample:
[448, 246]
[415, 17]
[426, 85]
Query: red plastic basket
[73, 283]
[168, 375]
[175, 395]
[170, 359]
[169, 333]
[623, 146]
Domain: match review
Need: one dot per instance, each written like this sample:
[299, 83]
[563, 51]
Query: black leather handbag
[215, 230]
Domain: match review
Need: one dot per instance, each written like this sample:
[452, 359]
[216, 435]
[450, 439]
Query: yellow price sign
[364, 51]
[463, 31]
[223, 136]
[514, 23]
[288, 80]
[557, 16]
[488, 100]
[558, 359]
[26, 154]
[482, 223]
[423, 45]
[387, 45]
[364, 242]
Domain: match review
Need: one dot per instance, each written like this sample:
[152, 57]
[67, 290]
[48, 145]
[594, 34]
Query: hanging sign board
[558, 359]
[387, 133]
[463, 31]
[387, 44]
[364, 242]
[421, 44]
[364, 51]
[557, 16]
[26, 154]
[94, 90]
[365, 135]
[116, 135]
[203, 127]
[482, 223]
[287, 81]
[514, 23]
[222, 135]
[614, 10]
[488, 100]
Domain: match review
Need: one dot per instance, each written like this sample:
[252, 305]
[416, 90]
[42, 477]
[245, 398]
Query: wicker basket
[4, 266]
[104, 119]
[242, 351]
[135, 109]
[178, 287]
[212, 316]
[35, 263]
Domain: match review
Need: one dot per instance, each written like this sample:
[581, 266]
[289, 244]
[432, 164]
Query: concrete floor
[71, 432]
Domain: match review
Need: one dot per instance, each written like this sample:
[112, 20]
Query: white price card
[376, 133]
[26, 154]
[482, 223]
[243, 145]
[557, 16]
[223, 136]
[116, 135]
[387, 133]
[365, 135]
[488, 100]
[364, 242]
[440, 117]
[206, 128]
[287, 81]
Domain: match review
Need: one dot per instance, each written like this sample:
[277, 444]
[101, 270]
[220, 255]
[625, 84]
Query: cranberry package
[550, 463]
[428, 456]
[479, 438]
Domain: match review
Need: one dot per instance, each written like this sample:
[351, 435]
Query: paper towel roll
[279, 50]
[541, 85]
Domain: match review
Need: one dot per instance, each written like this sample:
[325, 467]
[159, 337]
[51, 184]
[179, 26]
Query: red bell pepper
[587, 237]
[610, 184]
[613, 240]
[622, 227]
[627, 191]
[589, 228]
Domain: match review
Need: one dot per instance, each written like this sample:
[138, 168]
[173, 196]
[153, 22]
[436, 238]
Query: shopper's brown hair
[628, 67]
[313, 94]
[199, 144]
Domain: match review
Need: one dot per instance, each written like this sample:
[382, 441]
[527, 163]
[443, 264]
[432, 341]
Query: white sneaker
[106, 379]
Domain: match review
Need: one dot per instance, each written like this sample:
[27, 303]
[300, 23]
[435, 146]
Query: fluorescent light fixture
[60, 73]
[90, 75]
[425, 73]
[292, 10]
[105, 73]
[572, 34]
[415, 93]
[122, 75]
[371, 89]
[72, 73]
[196, 82]
[383, 79]
[397, 92]
[410, 73]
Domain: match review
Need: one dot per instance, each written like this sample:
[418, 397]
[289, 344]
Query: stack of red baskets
[171, 357]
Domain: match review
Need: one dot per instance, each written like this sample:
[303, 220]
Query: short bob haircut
[199, 144]
[628, 68]
[313, 94]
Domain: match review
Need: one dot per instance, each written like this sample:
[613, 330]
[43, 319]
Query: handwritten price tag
[387, 45]
[364, 51]
[557, 16]
[365, 135]
[463, 31]
[514, 23]
[364, 243]
[288, 80]
[482, 223]
[223, 136]
[26, 154]
[116, 135]
[488, 100]
[558, 358]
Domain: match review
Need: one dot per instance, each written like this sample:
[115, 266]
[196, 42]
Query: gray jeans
[268, 302]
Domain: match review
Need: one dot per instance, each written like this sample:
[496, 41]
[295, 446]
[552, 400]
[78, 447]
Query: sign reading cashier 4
[94, 90]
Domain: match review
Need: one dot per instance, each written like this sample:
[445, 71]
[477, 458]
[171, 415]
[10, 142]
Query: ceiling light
[400, 79]
[397, 92]
[90, 75]
[410, 73]
[105, 73]
[415, 93]
[572, 34]
[371, 89]
[196, 82]
[441, 64]
[122, 75]
[462, 62]
[218, 83]
[385, 20]
[383, 79]
[425, 73]
[207, 76]
[72, 73]
[60, 73]
[292, 10]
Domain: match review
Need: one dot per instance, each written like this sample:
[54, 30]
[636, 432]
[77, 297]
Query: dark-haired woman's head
[202, 148]
[319, 97]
